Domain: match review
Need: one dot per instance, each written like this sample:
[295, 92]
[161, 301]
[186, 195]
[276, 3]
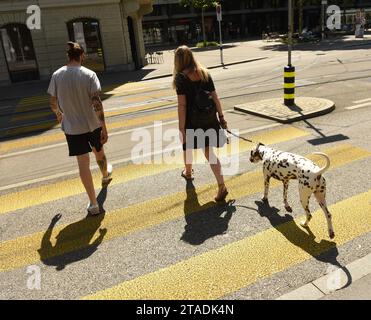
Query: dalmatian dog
[285, 166]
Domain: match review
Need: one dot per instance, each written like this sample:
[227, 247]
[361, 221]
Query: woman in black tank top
[189, 79]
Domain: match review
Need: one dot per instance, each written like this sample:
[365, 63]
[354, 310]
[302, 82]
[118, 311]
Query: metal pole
[203, 27]
[221, 43]
[289, 70]
[289, 36]
[323, 20]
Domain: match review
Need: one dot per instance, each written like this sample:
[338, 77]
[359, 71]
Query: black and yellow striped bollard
[289, 86]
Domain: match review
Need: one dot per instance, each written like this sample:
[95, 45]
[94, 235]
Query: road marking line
[14, 154]
[155, 106]
[41, 125]
[9, 155]
[362, 101]
[225, 270]
[359, 106]
[109, 90]
[108, 112]
[33, 115]
[39, 195]
[142, 104]
[30, 142]
[120, 222]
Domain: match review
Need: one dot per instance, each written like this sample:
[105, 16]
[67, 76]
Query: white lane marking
[362, 101]
[359, 106]
[121, 161]
[64, 143]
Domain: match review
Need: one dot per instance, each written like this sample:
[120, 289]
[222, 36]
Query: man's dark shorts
[80, 144]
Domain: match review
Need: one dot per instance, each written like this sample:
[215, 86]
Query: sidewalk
[352, 282]
[360, 290]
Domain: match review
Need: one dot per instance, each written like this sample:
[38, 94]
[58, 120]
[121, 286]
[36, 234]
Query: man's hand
[59, 116]
[55, 108]
[104, 136]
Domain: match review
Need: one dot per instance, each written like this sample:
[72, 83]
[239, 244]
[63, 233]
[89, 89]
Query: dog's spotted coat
[285, 166]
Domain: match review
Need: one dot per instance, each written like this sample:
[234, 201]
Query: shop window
[153, 34]
[86, 32]
[19, 52]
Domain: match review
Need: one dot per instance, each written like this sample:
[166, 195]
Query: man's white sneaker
[93, 209]
[106, 180]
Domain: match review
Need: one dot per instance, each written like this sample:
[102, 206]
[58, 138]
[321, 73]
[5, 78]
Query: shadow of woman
[73, 241]
[206, 221]
[324, 251]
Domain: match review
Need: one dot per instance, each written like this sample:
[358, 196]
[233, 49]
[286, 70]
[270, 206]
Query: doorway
[19, 52]
[133, 44]
[86, 32]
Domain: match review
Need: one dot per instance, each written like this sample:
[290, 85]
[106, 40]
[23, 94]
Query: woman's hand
[222, 122]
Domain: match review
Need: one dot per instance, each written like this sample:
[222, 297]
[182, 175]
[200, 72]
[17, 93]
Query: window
[19, 52]
[86, 32]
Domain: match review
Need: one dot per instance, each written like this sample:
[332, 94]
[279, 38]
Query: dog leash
[237, 136]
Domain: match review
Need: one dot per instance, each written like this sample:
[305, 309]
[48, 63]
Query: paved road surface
[159, 239]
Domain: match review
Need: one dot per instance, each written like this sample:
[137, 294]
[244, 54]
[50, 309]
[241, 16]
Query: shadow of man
[324, 251]
[206, 221]
[73, 241]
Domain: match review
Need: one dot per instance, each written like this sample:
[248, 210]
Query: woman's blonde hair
[183, 60]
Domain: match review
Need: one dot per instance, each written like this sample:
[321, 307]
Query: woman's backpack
[203, 108]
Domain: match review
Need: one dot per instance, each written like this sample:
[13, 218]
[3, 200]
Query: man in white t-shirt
[75, 100]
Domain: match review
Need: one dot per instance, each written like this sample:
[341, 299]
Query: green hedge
[207, 44]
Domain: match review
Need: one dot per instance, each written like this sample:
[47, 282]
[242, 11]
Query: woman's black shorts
[200, 139]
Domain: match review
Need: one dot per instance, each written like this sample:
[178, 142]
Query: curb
[337, 280]
[271, 104]
[211, 67]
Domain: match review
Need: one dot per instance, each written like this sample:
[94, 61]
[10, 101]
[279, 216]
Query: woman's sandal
[188, 177]
[221, 195]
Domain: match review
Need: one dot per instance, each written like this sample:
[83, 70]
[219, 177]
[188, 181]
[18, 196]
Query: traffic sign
[219, 12]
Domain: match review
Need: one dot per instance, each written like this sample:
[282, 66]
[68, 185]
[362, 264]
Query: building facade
[109, 30]
[169, 23]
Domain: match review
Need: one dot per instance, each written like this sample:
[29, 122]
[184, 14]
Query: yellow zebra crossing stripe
[140, 108]
[40, 195]
[113, 90]
[22, 251]
[144, 97]
[42, 126]
[223, 271]
[122, 111]
[31, 116]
